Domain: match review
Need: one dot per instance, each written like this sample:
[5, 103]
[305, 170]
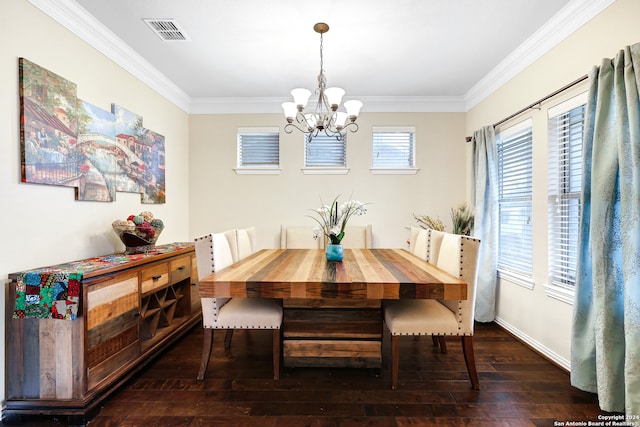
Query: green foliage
[462, 218]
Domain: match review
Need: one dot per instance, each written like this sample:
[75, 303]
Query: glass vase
[334, 252]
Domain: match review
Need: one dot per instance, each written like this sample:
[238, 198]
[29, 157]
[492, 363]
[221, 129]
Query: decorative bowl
[136, 243]
[139, 233]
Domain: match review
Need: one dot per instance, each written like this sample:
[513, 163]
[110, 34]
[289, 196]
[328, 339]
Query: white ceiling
[436, 54]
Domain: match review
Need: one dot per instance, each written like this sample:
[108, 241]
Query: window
[393, 150]
[515, 203]
[325, 154]
[258, 150]
[566, 130]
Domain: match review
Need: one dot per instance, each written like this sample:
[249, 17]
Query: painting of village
[69, 142]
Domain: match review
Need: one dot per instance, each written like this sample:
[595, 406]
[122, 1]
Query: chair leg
[207, 343]
[434, 338]
[469, 358]
[443, 344]
[276, 354]
[227, 339]
[395, 353]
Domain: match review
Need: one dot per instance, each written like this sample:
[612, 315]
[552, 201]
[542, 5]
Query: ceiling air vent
[167, 29]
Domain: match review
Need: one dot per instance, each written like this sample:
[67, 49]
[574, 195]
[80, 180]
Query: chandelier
[325, 117]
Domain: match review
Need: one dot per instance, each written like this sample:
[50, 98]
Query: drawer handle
[182, 267]
[156, 277]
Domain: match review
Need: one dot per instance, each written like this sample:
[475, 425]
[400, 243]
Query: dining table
[333, 311]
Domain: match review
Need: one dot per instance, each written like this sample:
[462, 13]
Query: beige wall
[220, 199]
[542, 321]
[44, 225]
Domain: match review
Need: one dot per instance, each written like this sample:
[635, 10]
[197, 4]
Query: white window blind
[258, 148]
[393, 147]
[566, 131]
[514, 199]
[325, 151]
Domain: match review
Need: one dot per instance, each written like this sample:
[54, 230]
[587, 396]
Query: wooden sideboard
[130, 308]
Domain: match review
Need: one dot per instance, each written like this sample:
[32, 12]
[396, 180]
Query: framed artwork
[70, 142]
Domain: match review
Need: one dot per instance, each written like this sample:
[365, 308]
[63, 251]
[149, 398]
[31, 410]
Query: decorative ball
[148, 216]
[138, 232]
[157, 223]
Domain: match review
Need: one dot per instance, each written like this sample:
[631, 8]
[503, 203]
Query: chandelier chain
[321, 57]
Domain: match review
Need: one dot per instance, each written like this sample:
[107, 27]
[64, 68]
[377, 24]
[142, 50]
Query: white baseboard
[545, 351]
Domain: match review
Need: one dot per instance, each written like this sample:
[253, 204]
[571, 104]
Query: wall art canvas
[141, 167]
[70, 142]
[96, 139]
[154, 185]
[48, 127]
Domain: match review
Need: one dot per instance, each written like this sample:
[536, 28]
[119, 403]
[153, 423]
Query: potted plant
[332, 220]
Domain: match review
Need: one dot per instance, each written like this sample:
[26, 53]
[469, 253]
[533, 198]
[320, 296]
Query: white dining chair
[213, 253]
[299, 237]
[458, 256]
[357, 237]
[246, 242]
[425, 243]
[418, 242]
[434, 242]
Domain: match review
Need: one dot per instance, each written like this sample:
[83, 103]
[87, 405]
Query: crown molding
[76, 19]
[372, 104]
[571, 17]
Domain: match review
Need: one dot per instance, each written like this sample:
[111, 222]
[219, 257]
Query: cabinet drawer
[180, 268]
[155, 276]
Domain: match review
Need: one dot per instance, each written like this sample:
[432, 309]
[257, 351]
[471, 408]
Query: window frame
[562, 179]
[394, 169]
[266, 169]
[518, 201]
[326, 169]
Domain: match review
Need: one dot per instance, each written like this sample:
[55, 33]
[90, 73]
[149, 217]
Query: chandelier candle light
[326, 117]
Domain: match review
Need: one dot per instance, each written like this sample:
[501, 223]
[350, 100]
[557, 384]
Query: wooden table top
[305, 273]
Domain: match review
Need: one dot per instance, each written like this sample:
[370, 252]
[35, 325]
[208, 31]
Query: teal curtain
[485, 188]
[605, 347]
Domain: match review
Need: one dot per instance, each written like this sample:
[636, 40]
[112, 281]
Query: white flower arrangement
[332, 219]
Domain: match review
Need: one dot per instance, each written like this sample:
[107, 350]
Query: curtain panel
[485, 185]
[605, 347]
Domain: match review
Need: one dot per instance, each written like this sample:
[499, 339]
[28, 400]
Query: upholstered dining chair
[242, 243]
[357, 237]
[418, 242]
[434, 242]
[458, 256]
[214, 252]
[299, 237]
[246, 240]
[425, 243]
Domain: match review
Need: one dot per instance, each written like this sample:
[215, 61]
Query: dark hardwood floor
[518, 388]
